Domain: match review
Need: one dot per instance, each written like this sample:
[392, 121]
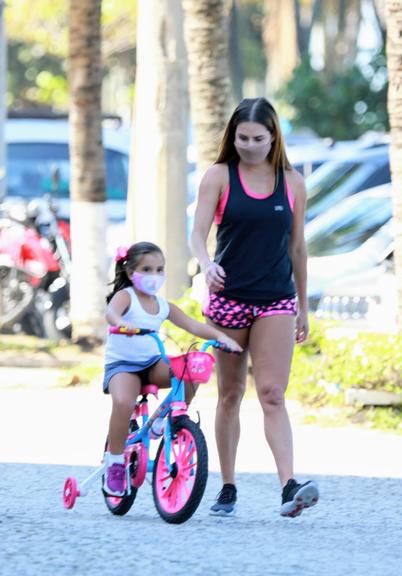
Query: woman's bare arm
[212, 186]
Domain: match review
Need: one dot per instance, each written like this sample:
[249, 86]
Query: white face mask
[148, 283]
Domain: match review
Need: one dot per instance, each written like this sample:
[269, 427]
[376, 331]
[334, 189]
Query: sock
[115, 459]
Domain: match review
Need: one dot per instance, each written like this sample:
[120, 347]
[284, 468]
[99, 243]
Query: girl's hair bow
[121, 253]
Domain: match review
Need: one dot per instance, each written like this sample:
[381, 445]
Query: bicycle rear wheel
[178, 493]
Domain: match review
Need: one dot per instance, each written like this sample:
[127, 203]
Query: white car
[352, 169]
[365, 300]
[354, 236]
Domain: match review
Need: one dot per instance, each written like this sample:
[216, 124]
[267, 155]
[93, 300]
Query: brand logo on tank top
[278, 208]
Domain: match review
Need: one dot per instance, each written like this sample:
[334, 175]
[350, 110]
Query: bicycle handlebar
[130, 332]
[224, 348]
[143, 331]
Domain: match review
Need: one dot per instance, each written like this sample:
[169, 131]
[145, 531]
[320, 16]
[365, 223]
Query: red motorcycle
[34, 269]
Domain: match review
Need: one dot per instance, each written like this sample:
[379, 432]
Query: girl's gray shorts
[140, 368]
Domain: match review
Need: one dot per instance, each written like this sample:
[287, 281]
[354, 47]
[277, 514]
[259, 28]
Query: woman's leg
[124, 389]
[271, 348]
[231, 372]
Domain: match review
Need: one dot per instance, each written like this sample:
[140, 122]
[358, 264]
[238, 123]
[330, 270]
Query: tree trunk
[236, 67]
[394, 59]
[341, 23]
[306, 13]
[88, 213]
[207, 36]
[206, 33]
[280, 40]
[158, 170]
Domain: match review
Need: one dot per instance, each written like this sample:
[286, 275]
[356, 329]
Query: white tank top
[136, 348]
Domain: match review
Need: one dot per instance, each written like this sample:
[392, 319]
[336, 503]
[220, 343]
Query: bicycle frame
[173, 404]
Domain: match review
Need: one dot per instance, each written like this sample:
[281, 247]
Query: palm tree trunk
[88, 213]
[280, 40]
[206, 33]
[158, 169]
[394, 60]
[341, 23]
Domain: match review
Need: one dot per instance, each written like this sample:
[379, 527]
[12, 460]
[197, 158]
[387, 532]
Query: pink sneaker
[114, 480]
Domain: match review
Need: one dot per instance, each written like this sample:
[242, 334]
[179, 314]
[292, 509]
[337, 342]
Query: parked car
[38, 162]
[354, 236]
[365, 300]
[352, 169]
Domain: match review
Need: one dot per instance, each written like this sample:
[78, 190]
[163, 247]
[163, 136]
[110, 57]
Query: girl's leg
[271, 348]
[124, 389]
[231, 375]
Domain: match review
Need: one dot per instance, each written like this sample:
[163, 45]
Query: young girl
[130, 362]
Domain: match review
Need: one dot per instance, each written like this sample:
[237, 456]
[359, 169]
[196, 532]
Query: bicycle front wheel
[178, 493]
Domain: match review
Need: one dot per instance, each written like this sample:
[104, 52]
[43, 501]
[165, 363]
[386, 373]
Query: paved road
[47, 434]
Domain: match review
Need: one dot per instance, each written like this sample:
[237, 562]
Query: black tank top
[252, 244]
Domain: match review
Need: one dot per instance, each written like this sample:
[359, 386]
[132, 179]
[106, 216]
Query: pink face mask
[254, 153]
[148, 283]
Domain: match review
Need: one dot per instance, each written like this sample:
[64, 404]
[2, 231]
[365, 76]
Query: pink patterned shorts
[234, 314]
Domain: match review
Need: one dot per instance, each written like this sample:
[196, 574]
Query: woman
[258, 203]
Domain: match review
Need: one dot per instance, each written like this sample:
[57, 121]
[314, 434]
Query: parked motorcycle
[34, 269]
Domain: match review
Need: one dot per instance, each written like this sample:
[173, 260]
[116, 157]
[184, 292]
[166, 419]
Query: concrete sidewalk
[49, 433]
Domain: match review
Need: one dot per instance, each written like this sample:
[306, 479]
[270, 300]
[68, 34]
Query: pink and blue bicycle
[180, 467]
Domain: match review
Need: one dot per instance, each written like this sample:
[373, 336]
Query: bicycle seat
[149, 389]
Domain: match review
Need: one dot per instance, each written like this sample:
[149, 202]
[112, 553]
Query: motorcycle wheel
[56, 315]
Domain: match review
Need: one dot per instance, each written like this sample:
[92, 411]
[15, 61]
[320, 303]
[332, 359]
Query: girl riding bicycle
[131, 362]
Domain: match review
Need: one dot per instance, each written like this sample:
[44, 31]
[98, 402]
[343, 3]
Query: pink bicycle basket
[194, 366]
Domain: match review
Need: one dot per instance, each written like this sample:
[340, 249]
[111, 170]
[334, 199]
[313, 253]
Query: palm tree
[280, 41]
[88, 213]
[158, 168]
[394, 59]
[206, 33]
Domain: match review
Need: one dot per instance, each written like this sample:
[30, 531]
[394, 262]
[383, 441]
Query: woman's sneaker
[296, 497]
[225, 501]
[113, 483]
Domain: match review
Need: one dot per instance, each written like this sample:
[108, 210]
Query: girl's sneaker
[296, 497]
[113, 483]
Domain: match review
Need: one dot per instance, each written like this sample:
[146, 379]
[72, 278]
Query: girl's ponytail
[121, 279]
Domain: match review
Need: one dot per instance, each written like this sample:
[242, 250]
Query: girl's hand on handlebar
[123, 328]
[214, 277]
[229, 343]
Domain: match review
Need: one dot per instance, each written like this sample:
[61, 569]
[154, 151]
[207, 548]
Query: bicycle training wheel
[121, 505]
[178, 493]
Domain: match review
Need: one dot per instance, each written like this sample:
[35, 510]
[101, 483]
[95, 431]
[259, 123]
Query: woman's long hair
[261, 111]
[130, 262]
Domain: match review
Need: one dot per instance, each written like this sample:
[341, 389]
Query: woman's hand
[229, 342]
[302, 327]
[214, 277]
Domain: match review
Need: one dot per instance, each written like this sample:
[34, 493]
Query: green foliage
[385, 418]
[342, 106]
[35, 78]
[38, 48]
[182, 339]
[323, 370]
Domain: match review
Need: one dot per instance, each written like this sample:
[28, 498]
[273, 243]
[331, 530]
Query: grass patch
[28, 344]
[80, 375]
